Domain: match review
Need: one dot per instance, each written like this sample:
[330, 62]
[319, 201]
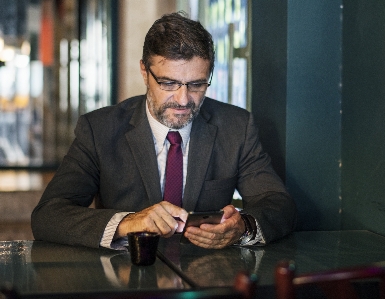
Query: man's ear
[143, 71]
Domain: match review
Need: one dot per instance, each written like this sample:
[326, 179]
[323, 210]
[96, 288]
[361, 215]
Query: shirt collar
[160, 131]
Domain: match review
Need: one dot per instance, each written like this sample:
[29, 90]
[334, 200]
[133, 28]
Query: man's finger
[174, 211]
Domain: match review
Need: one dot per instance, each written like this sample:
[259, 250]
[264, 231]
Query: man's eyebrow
[199, 81]
[165, 78]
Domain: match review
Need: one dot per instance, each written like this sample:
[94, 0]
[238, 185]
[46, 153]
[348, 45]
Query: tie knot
[174, 137]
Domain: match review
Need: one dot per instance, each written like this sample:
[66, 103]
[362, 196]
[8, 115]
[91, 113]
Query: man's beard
[182, 121]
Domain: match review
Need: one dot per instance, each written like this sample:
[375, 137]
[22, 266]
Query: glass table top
[311, 251]
[36, 267]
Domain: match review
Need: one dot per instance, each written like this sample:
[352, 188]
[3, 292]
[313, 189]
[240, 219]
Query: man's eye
[168, 84]
[197, 85]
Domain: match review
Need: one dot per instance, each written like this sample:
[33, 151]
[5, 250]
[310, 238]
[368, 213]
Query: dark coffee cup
[143, 247]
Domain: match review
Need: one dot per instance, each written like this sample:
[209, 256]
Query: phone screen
[198, 218]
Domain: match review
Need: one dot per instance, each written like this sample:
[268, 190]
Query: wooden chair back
[334, 283]
[246, 284]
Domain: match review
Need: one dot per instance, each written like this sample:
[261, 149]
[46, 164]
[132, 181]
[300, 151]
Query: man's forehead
[157, 60]
[161, 61]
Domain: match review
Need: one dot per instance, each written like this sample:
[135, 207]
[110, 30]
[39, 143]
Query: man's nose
[181, 95]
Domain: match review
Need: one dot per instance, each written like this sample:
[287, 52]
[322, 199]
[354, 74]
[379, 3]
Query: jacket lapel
[141, 142]
[202, 140]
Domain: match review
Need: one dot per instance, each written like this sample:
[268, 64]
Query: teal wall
[363, 116]
[313, 116]
[269, 67]
[318, 86]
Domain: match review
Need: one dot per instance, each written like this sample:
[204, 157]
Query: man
[119, 157]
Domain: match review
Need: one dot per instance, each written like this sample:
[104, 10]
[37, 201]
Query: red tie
[174, 170]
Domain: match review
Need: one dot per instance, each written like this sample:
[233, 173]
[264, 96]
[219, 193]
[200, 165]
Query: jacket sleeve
[263, 193]
[63, 214]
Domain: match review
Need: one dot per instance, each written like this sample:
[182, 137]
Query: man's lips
[180, 109]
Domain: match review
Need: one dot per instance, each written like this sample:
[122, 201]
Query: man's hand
[158, 218]
[220, 235]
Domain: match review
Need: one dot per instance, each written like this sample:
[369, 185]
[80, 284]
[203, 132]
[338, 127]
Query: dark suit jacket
[113, 158]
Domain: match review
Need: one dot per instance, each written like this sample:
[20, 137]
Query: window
[55, 64]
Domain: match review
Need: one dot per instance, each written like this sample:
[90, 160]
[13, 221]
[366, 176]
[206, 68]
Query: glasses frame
[180, 84]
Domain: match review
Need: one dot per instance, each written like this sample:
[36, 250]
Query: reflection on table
[311, 251]
[41, 267]
[45, 268]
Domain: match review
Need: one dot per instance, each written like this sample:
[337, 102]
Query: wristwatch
[248, 234]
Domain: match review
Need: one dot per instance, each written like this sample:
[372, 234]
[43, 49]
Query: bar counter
[37, 268]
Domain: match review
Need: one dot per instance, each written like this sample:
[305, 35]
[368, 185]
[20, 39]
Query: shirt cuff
[109, 232]
[258, 235]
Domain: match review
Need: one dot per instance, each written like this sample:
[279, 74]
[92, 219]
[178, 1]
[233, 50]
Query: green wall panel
[363, 116]
[319, 97]
[269, 27]
[313, 121]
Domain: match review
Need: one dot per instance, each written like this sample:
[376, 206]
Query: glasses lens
[197, 86]
[169, 86]
[172, 86]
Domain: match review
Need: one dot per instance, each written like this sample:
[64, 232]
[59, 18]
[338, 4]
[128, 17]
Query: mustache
[177, 106]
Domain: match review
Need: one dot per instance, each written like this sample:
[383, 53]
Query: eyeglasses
[174, 85]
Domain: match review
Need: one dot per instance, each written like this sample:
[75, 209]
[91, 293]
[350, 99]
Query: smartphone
[198, 218]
